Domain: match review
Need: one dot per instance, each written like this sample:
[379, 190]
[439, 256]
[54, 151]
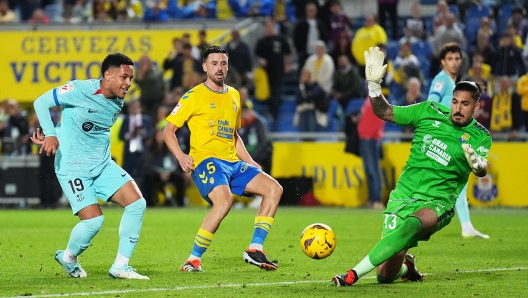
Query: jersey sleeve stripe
[55, 98]
[436, 93]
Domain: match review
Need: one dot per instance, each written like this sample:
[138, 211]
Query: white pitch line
[112, 292]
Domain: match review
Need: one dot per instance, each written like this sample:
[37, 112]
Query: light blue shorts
[213, 172]
[83, 191]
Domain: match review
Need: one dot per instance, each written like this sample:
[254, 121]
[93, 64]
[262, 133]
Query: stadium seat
[477, 12]
[421, 49]
[393, 47]
[425, 65]
[354, 105]
[503, 17]
[392, 127]
[471, 29]
[453, 8]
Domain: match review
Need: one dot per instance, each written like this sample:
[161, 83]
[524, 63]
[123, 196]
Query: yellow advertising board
[37, 61]
[339, 178]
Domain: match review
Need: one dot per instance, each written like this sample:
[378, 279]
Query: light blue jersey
[441, 90]
[84, 131]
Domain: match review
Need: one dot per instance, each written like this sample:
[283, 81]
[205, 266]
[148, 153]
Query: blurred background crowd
[304, 74]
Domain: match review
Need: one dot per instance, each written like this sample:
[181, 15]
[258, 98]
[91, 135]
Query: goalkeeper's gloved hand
[475, 162]
[374, 70]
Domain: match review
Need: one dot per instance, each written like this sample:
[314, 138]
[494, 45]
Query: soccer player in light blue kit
[441, 92]
[81, 142]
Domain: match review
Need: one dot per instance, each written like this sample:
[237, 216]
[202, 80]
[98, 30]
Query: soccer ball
[318, 241]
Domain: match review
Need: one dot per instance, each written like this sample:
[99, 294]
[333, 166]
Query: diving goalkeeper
[447, 146]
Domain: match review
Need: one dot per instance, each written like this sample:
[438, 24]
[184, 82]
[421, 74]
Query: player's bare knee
[275, 191]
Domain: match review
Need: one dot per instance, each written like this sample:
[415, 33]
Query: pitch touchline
[237, 285]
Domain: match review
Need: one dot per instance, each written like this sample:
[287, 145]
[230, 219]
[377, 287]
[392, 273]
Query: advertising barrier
[35, 62]
[339, 178]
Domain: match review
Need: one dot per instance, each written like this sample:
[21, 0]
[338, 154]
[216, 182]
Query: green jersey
[437, 168]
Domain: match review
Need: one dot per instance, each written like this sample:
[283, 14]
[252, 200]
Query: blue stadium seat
[284, 122]
[453, 8]
[477, 12]
[393, 47]
[503, 17]
[471, 29]
[354, 105]
[421, 49]
[392, 127]
[425, 66]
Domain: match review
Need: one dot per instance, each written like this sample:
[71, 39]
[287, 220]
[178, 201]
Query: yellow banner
[339, 178]
[35, 62]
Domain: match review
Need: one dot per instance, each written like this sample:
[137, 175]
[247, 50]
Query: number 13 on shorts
[390, 221]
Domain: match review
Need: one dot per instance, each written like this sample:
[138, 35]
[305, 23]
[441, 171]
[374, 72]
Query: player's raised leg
[130, 198]
[271, 191]
[221, 200]
[462, 208]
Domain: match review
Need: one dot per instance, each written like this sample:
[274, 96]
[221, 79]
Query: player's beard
[460, 124]
[217, 82]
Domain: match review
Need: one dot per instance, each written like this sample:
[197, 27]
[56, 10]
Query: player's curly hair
[115, 60]
[213, 50]
[475, 89]
[450, 47]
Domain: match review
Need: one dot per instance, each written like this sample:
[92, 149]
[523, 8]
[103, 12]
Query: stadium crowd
[306, 72]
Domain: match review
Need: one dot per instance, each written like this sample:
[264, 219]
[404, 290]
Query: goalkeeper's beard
[461, 123]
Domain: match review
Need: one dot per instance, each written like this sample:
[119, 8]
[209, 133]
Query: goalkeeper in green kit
[447, 146]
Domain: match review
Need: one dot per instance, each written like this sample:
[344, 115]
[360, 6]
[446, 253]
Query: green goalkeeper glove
[475, 162]
[374, 70]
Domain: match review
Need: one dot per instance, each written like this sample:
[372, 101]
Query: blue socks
[82, 234]
[130, 227]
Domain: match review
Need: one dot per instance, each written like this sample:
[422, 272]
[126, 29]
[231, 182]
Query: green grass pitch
[454, 267]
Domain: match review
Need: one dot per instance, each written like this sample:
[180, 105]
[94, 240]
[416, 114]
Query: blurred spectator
[6, 14]
[195, 52]
[483, 113]
[485, 48]
[161, 117]
[522, 90]
[347, 84]
[321, 67]
[49, 187]
[520, 23]
[339, 24]
[244, 97]
[438, 20]
[390, 8]
[255, 8]
[406, 65]
[240, 64]
[81, 12]
[310, 97]
[182, 68]
[149, 80]
[103, 10]
[16, 129]
[307, 32]
[370, 131]
[162, 168]
[202, 41]
[273, 55]
[343, 47]
[129, 9]
[389, 74]
[156, 12]
[505, 110]
[26, 7]
[412, 96]
[446, 33]
[517, 40]
[284, 15]
[370, 35]
[509, 60]
[477, 73]
[415, 27]
[254, 134]
[136, 130]
[39, 17]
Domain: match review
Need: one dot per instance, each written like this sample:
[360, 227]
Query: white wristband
[374, 88]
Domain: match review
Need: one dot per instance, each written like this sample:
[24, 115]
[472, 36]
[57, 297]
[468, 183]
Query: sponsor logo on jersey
[436, 149]
[235, 106]
[464, 138]
[66, 88]
[436, 123]
[88, 126]
[212, 105]
[482, 149]
[176, 108]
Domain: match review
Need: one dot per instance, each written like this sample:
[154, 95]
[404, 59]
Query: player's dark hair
[115, 60]
[213, 50]
[450, 47]
[475, 89]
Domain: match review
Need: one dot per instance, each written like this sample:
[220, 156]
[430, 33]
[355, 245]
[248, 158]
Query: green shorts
[399, 208]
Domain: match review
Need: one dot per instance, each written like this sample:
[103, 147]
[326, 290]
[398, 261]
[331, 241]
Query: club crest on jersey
[212, 105]
[464, 138]
[235, 106]
[66, 88]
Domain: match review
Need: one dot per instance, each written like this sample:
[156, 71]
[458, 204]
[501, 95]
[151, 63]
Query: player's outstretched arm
[478, 165]
[374, 72]
[169, 134]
